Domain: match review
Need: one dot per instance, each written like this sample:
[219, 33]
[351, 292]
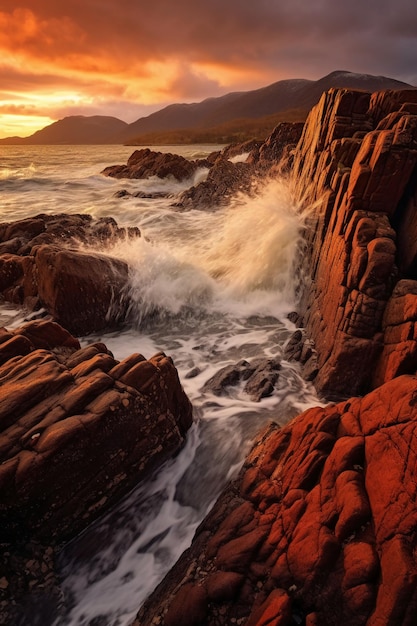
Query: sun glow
[22, 125]
[24, 115]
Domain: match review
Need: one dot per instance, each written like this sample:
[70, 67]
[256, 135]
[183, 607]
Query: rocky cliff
[355, 173]
[319, 528]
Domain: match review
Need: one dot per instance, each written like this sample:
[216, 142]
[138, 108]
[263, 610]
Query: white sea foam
[209, 288]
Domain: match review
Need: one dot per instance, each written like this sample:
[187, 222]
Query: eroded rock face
[356, 163]
[78, 429]
[318, 528]
[42, 265]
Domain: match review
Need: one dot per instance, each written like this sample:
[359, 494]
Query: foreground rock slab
[318, 528]
[78, 428]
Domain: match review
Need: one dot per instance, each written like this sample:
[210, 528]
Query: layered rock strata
[42, 266]
[79, 430]
[355, 171]
[318, 528]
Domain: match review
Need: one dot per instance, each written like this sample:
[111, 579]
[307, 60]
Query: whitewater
[209, 288]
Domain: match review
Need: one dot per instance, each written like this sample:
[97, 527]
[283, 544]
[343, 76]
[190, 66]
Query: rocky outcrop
[79, 430]
[318, 528]
[276, 152]
[146, 163]
[42, 266]
[224, 180]
[355, 169]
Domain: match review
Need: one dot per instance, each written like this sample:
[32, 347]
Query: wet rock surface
[146, 163]
[259, 377]
[225, 179]
[79, 429]
[43, 265]
[318, 528]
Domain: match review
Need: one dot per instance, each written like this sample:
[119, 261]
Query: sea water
[209, 288]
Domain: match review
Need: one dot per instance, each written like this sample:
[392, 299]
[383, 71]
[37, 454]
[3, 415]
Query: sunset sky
[128, 58]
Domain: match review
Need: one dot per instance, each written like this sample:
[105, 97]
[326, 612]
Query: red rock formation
[319, 527]
[41, 265]
[78, 429]
[355, 167]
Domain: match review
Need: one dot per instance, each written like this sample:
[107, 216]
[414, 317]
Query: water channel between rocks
[210, 288]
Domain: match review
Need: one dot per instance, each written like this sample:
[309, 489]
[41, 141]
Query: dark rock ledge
[79, 429]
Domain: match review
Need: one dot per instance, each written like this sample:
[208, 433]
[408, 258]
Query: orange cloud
[84, 54]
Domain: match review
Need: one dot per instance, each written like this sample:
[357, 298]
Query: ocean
[209, 288]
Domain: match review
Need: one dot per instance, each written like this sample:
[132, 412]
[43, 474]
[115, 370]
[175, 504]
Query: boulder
[146, 163]
[260, 377]
[318, 528]
[83, 292]
[57, 262]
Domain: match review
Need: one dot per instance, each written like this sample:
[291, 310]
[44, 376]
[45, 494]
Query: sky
[129, 58]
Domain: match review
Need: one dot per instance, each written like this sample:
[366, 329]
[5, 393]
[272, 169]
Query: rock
[240, 149]
[275, 151]
[225, 179]
[355, 166]
[146, 163]
[399, 325]
[260, 377]
[319, 525]
[84, 291]
[79, 429]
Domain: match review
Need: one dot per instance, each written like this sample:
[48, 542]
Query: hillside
[75, 129]
[233, 117]
[277, 99]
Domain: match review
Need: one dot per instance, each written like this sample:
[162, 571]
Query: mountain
[282, 96]
[75, 129]
[238, 115]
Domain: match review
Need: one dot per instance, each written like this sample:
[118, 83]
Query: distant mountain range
[234, 117]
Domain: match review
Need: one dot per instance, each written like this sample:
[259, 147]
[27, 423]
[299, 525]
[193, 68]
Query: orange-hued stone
[339, 550]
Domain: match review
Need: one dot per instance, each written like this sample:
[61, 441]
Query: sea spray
[209, 288]
[236, 256]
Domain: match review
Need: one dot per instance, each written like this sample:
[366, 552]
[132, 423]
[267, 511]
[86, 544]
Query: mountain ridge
[273, 101]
